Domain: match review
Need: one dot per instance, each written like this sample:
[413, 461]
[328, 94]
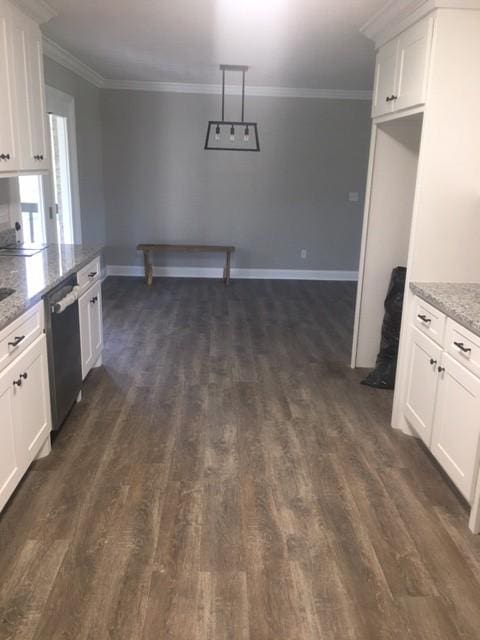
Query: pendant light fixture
[230, 135]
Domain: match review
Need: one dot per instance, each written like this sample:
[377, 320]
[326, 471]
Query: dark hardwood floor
[227, 478]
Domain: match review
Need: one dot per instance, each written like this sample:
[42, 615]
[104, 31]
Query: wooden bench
[148, 249]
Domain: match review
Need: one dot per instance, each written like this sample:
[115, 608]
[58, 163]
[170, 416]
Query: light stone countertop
[459, 301]
[33, 277]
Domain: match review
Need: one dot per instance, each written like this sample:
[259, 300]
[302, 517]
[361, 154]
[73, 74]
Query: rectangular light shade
[239, 143]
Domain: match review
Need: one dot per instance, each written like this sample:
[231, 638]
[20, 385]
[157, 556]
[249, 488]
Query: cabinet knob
[5, 156]
[440, 369]
[17, 383]
[24, 376]
[94, 300]
[432, 361]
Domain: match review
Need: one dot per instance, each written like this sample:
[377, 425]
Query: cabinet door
[30, 94]
[10, 466]
[31, 400]
[385, 79]
[422, 383]
[413, 64]
[96, 320]
[8, 124]
[456, 429]
[86, 332]
[36, 103]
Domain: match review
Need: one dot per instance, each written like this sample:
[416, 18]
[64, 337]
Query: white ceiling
[311, 44]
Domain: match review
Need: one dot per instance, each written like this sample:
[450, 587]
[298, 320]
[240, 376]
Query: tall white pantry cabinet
[422, 206]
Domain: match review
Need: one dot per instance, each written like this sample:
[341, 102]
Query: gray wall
[89, 147]
[160, 185]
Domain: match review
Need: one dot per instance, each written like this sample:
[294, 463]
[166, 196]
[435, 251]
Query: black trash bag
[383, 376]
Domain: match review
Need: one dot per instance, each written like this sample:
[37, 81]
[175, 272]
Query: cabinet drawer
[15, 338]
[429, 320]
[89, 274]
[463, 346]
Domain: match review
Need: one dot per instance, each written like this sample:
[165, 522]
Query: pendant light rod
[243, 95]
[233, 67]
[223, 95]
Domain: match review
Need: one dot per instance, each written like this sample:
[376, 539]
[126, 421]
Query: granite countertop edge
[18, 303]
[458, 301]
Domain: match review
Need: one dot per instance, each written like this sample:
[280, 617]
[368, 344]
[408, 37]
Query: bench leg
[226, 269]
[148, 268]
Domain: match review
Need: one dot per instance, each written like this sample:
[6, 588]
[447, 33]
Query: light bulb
[217, 133]
[232, 134]
[246, 136]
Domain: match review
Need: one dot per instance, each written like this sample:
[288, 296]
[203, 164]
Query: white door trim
[64, 104]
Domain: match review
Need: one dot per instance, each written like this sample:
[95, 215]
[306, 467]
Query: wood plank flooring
[227, 478]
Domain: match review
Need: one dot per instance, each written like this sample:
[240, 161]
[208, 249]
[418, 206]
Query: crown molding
[63, 57]
[38, 10]
[398, 15]
[55, 52]
[253, 91]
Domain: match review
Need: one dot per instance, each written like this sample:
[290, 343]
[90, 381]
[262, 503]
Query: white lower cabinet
[32, 400]
[442, 404]
[10, 468]
[422, 383]
[456, 427]
[25, 414]
[91, 327]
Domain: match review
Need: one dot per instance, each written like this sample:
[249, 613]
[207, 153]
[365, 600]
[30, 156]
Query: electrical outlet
[303, 254]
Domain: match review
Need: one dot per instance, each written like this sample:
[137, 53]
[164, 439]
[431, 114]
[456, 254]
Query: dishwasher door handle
[63, 304]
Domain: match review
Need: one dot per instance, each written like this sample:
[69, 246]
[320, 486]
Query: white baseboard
[249, 274]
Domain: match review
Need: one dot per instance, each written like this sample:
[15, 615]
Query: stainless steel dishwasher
[63, 345]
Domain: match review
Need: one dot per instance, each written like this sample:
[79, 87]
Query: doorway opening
[387, 229]
[61, 189]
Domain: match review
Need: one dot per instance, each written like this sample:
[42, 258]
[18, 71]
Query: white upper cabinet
[385, 78]
[402, 70]
[30, 93]
[414, 46]
[24, 140]
[8, 126]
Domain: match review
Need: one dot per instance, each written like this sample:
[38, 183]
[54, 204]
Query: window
[31, 207]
